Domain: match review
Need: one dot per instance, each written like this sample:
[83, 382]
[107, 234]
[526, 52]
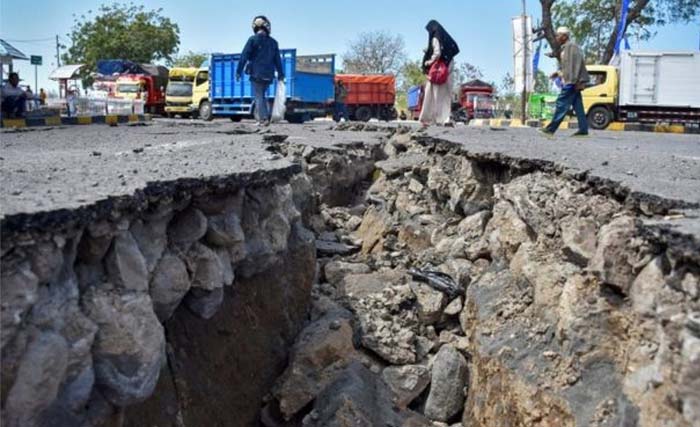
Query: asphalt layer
[69, 167]
[47, 169]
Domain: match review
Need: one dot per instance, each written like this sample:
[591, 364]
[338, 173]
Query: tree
[541, 82]
[122, 31]
[376, 52]
[410, 74]
[594, 22]
[465, 72]
[507, 85]
[190, 59]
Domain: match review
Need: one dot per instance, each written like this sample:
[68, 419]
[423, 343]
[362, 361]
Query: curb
[80, 120]
[614, 126]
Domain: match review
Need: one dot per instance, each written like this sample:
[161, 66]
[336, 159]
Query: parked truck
[309, 84]
[148, 85]
[369, 96]
[475, 101]
[648, 87]
[187, 88]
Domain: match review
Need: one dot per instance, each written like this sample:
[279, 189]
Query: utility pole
[58, 55]
[523, 101]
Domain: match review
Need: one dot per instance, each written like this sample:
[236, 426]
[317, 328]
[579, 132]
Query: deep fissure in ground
[295, 301]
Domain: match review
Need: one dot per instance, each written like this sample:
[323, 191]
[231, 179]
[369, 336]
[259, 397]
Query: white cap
[564, 30]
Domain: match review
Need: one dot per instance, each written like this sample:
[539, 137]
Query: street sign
[35, 60]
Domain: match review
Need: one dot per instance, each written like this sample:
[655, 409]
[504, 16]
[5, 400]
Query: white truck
[648, 87]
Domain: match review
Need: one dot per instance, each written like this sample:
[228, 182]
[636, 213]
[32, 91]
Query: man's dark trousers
[569, 96]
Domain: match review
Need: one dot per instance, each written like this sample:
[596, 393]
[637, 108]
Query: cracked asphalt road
[62, 168]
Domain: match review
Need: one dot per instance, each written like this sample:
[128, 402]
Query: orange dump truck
[369, 95]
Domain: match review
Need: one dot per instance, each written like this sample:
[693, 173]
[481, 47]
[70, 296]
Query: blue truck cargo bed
[309, 85]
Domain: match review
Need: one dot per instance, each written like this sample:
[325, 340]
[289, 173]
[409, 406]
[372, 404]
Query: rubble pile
[473, 293]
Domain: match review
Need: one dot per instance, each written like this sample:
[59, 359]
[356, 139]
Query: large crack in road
[464, 277]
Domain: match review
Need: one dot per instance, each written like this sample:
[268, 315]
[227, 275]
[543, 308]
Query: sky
[481, 28]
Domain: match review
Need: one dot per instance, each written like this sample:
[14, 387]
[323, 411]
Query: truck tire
[205, 111]
[363, 114]
[599, 117]
[297, 118]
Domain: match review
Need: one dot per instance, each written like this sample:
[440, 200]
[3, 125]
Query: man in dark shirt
[260, 59]
[13, 98]
[341, 110]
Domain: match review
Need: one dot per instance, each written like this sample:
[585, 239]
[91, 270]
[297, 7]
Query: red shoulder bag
[438, 72]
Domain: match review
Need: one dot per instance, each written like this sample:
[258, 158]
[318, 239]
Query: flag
[621, 26]
[536, 59]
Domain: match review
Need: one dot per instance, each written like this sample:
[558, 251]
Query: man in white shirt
[13, 98]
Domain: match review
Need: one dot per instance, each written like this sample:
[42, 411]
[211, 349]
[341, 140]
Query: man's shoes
[546, 133]
[579, 134]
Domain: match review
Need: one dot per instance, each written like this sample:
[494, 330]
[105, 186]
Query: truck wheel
[296, 118]
[205, 111]
[363, 114]
[599, 117]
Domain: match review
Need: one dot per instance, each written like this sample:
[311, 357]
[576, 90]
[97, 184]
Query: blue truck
[309, 84]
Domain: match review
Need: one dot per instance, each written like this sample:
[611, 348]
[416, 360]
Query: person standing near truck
[13, 98]
[260, 59]
[341, 94]
[574, 77]
[437, 99]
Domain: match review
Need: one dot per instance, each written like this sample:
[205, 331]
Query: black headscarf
[448, 46]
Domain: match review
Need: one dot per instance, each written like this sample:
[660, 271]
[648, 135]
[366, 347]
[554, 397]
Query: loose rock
[446, 397]
[407, 382]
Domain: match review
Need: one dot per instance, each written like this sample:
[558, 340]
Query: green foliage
[594, 22]
[189, 59]
[375, 52]
[122, 31]
[410, 74]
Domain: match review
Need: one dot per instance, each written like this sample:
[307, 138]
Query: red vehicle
[369, 96]
[475, 101]
[149, 86]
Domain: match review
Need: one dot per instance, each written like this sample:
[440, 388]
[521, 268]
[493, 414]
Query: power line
[30, 40]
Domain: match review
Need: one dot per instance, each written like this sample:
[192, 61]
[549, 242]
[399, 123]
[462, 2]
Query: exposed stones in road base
[435, 288]
[573, 312]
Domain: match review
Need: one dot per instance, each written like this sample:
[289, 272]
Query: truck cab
[187, 87]
[600, 95]
[475, 101]
[140, 86]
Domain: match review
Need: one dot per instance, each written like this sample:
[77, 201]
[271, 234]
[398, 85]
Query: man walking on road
[260, 59]
[572, 71]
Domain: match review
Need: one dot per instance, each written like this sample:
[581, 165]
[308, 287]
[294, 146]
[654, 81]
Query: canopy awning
[7, 51]
[66, 72]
